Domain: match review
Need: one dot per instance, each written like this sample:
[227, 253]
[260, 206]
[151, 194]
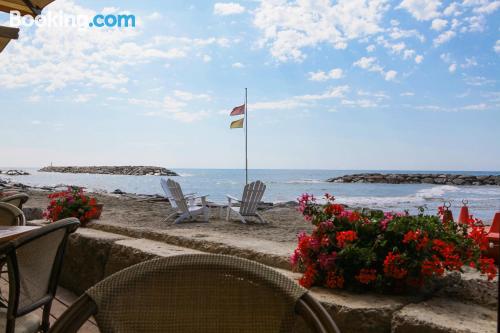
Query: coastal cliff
[113, 170]
[417, 178]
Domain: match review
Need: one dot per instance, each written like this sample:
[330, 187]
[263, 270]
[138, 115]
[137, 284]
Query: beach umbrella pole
[246, 138]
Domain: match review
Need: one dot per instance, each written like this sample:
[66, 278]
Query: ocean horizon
[288, 184]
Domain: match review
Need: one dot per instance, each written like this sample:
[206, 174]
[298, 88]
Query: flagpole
[246, 138]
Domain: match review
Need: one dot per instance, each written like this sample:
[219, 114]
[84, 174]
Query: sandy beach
[284, 222]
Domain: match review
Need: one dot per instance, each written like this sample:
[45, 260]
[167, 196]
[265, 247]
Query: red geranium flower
[344, 237]
[392, 266]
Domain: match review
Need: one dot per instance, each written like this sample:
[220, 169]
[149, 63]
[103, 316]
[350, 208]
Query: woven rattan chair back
[17, 200]
[10, 215]
[195, 293]
[34, 262]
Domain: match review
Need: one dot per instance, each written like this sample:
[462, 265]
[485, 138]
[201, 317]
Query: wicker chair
[10, 215]
[34, 263]
[17, 200]
[196, 293]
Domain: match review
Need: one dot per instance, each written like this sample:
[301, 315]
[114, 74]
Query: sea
[288, 185]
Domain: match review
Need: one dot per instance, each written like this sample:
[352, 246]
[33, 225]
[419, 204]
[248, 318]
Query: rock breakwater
[14, 172]
[113, 170]
[418, 178]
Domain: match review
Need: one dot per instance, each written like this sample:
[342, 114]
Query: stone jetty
[112, 170]
[418, 178]
[14, 172]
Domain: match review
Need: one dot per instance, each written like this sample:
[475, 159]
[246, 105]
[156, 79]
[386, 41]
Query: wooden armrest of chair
[199, 197]
[231, 198]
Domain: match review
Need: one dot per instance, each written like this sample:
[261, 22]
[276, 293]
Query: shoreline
[386, 197]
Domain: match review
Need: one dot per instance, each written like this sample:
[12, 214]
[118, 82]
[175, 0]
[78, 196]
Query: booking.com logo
[111, 21]
[62, 19]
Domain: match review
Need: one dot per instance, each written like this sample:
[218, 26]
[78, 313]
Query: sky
[349, 84]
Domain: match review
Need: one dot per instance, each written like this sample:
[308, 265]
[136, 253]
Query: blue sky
[349, 84]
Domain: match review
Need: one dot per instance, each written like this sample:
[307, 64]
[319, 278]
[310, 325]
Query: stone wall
[93, 255]
[417, 178]
[112, 170]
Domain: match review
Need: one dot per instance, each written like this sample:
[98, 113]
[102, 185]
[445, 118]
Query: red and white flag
[238, 110]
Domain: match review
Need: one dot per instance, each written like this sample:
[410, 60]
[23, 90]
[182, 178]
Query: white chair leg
[181, 218]
[170, 216]
[242, 219]
[228, 214]
[260, 218]
[205, 214]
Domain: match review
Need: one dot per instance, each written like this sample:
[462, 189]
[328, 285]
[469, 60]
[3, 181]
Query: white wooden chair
[252, 195]
[185, 204]
[168, 195]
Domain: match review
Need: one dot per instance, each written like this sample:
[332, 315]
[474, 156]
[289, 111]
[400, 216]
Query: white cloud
[187, 43]
[378, 95]
[174, 107]
[288, 28]
[438, 108]
[370, 48]
[188, 96]
[444, 37]
[335, 73]
[496, 47]
[422, 10]
[474, 24]
[301, 101]
[469, 62]
[368, 63]
[206, 58]
[446, 57]
[371, 64]
[34, 98]
[477, 81]
[452, 68]
[390, 75]
[398, 33]
[475, 107]
[396, 48]
[453, 9]
[228, 8]
[277, 105]
[83, 98]
[408, 54]
[438, 24]
[455, 23]
[154, 16]
[335, 92]
[487, 7]
[362, 103]
[407, 94]
[237, 65]
[419, 58]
